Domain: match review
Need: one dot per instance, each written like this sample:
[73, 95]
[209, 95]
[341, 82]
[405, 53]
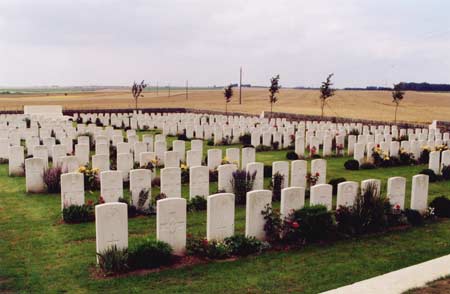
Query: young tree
[136, 91]
[227, 93]
[326, 92]
[397, 95]
[274, 89]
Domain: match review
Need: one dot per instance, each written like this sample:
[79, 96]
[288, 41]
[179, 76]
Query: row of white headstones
[112, 220]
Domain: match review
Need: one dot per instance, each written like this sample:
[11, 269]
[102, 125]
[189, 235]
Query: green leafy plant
[78, 213]
[351, 164]
[149, 253]
[240, 245]
[113, 260]
[291, 155]
[242, 182]
[197, 203]
[276, 185]
[441, 206]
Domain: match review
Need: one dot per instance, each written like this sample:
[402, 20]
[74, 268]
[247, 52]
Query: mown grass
[39, 254]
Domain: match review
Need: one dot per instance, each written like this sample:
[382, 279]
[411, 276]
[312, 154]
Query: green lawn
[38, 254]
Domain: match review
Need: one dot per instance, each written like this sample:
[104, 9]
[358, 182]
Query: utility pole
[187, 89]
[240, 86]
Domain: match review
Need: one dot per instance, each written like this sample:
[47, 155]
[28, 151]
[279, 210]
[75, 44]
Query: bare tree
[227, 93]
[326, 92]
[274, 89]
[136, 91]
[397, 96]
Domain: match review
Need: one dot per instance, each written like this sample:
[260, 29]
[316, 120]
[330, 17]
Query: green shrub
[149, 253]
[240, 245]
[441, 206]
[207, 249]
[335, 183]
[291, 155]
[213, 175]
[431, 175]
[310, 224]
[113, 260]
[414, 217]
[277, 185]
[273, 225]
[267, 171]
[197, 203]
[242, 183]
[446, 172]
[351, 164]
[367, 165]
[78, 213]
[245, 139]
[263, 148]
[367, 214]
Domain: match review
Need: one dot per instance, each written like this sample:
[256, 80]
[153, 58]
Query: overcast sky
[94, 42]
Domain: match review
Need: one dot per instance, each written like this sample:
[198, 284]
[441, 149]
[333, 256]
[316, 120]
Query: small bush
[213, 175]
[149, 253]
[335, 183]
[156, 182]
[310, 224]
[277, 185]
[316, 156]
[197, 203]
[263, 148]
[267, 171]
[446, 172]
[275, 145]
[78, 213]
[240, 245]
[431, 175]
[113, 260]
[441, 206]
[207, 249]
[291, 155]
[367, 165]
[52, 179]
[273, 226]
[182, 137]
[424, 156]
[242, 183]
[414, 217]
[245, 139]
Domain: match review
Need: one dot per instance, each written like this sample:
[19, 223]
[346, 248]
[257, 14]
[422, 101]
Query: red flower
[295, 225]
[317, 174]
[397, 207]
[101, 200]
[205, 242]
[90, 202]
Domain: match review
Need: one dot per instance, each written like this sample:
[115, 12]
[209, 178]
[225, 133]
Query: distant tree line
[420, 87]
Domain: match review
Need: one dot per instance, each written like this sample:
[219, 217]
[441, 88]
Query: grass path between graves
[38, 254]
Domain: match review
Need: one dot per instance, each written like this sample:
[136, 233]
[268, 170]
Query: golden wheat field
[374, 105]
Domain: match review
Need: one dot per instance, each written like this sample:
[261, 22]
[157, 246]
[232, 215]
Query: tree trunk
[322, 107]
[395, 116]
[271, 109]
[136, 104]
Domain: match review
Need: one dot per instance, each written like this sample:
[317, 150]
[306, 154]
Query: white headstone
[254, 220]
[419, 193]
[396, 188]
[72, 189]
[171, 182]
[171, 223]
[111, 226]
[198, 181]
[111, 185]
[292, 198]
[321, 194]
[220, 216]
[346, 193]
